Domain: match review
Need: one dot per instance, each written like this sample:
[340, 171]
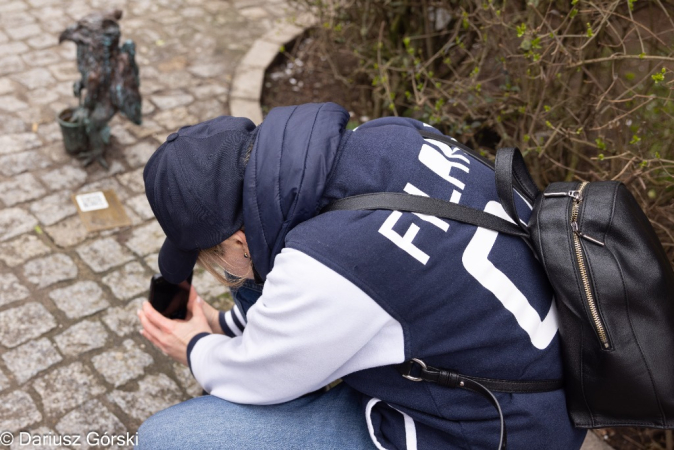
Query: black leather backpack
[613, 284]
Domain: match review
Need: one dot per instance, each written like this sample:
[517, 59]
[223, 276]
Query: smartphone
[168, 298]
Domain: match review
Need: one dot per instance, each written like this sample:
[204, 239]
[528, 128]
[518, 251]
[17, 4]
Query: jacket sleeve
[310, 327]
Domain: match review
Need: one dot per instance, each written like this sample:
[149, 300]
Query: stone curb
[247, 84]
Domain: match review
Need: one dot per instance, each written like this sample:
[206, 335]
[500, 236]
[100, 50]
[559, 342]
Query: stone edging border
[246, 90]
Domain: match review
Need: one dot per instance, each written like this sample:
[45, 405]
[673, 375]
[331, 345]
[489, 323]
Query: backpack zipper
[599, 326]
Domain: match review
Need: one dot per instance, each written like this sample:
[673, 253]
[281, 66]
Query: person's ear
[240, 238]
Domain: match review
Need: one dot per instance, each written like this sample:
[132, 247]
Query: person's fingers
[151, 332]
[198, 308]
[160, 322]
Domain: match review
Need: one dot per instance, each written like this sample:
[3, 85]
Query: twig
[617, 57]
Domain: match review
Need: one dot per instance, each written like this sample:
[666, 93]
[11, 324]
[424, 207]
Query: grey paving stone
[211, 289]
[13, 6]
[22, 249]
[123, 320]
[17, 411]
[154, 393]
[133, 180]
[137, 155]
[164, 102]
[140, 206]
[6, 86]
[152, 262]
[68, 232]
[105, 183]
[31, 358]
[91, 417]
[65, 71]
[12, 143]
[114, 167]
[122, 364]
[41, 438]
[23, 323]
[146, 109]
[20, 189]
[16, 163]
[14, 222]
[53, 208]
[38, 113]
[10, 124]
[179, 79]
[42, 96]
[210, 90]
[122, 135]
[35, 78]
[67, 387]
[50, 269]
[82, 337]
[4, 382]
[173, 119]
[206, 109]
[209, 70]
[24, 31]
[148, 128]
[13, 48]
[8, 65]
[51, 132]
[80, 299]
[41, 58]
[186, 380]
[146, 239]
[9, 102]
[192, 12]
[128, 282]
[41, 41]
[65, 177]
[103, 254]
[11, 290]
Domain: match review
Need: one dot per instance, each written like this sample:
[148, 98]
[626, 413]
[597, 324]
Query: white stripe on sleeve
[230, 323]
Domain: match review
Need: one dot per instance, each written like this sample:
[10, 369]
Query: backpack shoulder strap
[512, 172]
[428, 206]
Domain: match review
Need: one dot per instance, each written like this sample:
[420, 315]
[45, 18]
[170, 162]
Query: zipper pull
[576, 195]
[576, 230]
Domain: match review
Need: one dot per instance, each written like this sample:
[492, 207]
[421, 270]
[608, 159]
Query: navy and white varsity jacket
[350, 294]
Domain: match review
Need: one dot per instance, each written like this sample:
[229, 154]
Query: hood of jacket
[286, 175]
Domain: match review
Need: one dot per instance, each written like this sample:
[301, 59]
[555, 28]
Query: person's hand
[172, 336]
[213, 318]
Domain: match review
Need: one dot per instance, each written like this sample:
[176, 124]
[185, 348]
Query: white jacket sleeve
[310, 327]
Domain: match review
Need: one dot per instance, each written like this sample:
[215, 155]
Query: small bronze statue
[109, 77]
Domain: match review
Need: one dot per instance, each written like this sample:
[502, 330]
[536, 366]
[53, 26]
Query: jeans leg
[333, 420]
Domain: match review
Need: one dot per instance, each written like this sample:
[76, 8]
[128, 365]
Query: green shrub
[583, 88]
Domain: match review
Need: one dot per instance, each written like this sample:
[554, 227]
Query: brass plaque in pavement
[101, 210]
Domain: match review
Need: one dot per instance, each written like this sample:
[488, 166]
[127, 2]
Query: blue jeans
[332, 420]
[246, 295]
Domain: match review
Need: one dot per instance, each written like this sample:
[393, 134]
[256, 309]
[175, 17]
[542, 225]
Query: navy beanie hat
[194, 183]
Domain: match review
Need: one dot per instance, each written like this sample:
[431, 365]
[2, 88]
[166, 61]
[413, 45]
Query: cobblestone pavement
[71, 358]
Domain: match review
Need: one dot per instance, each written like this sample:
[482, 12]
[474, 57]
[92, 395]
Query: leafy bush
[583, 88]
